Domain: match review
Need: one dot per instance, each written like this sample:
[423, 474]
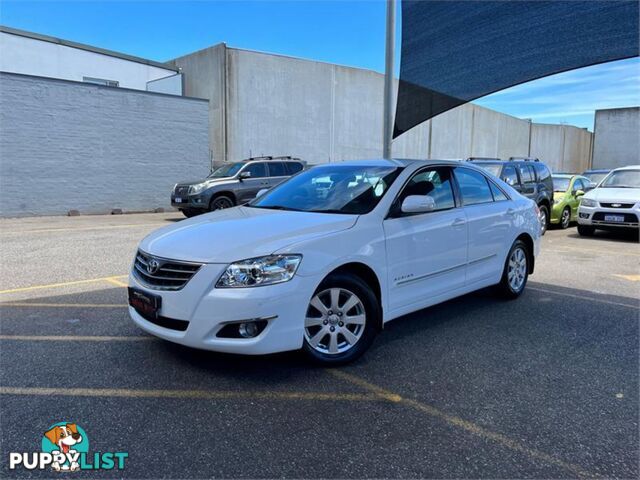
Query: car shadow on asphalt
[628, 236]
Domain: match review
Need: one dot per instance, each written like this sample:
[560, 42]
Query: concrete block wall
[69, 145]
[617, 138]
[277, 105]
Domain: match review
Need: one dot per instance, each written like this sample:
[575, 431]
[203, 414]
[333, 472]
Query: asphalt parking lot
[542, 387]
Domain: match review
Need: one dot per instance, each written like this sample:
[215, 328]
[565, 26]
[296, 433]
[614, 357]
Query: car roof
[628, 167]
[598, 170]
[394, 162]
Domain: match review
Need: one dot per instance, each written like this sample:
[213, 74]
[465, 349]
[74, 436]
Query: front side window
[257, 170]
[622, 179]
[331, 189]
[473, 186]
[577, 184]
[436, 183]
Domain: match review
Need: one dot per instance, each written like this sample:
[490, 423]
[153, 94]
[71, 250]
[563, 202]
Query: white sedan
[322, 261]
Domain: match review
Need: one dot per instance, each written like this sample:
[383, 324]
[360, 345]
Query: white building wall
[617, 138]
[29, 56]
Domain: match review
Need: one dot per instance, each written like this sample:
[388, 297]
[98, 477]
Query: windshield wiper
[278, 207]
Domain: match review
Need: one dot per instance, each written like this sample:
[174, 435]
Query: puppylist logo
[65, 448]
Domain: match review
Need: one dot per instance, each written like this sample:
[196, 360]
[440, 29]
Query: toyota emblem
[152, 266]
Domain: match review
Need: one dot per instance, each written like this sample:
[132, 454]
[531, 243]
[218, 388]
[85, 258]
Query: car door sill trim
[445, 270]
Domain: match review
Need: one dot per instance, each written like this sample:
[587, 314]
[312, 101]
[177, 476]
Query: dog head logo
[65, 441]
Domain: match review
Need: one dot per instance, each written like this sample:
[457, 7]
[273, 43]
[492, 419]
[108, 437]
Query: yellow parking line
[62, 284]
[78, 338]
[466, 425]
[188, 394]
[63, 305]
[116, 282]
[79, 229]
[631, 278]
[582, 297]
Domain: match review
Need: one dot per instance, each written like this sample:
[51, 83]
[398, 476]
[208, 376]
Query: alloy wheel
[517, 271]
[566, 218]
[543, 219]
[335, 321]
[221, 204]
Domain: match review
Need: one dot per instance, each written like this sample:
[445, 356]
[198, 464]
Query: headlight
[587, 202]
[193, 189]
[255, 272]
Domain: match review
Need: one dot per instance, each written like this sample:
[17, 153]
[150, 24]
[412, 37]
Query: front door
[426, 252]
[248, 188]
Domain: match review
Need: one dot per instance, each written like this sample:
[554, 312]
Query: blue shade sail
[456, 51]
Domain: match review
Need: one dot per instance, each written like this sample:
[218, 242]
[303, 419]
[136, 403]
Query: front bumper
[190, 201]
[208, 309]
[596, 216]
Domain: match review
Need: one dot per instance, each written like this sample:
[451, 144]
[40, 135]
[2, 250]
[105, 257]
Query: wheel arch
[226, 193]
[528, 241]
[366, 274]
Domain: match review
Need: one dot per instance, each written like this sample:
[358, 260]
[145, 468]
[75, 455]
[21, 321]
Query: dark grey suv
[529, 176]
[233, 184]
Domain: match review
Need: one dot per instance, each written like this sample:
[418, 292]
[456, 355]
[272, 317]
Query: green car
[567, 190]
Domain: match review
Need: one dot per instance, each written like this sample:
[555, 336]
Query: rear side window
[277, 169]
[293, 167]
[498, 195]
[473, 186]
[509, 175]
[526, 174]
[542, 171]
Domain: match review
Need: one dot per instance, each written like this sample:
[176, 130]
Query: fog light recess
[248, 329]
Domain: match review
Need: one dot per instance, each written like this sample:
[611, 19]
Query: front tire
[516, 271]
[544, 219]
[586, 230]
[220, 202]
[342, 320]
[190, 212]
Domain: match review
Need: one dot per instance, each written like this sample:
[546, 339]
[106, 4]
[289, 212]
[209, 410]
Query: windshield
[228, 170]
[493, 168]
[596, 177]
[622, 179]
[331, 189]
[561, 184]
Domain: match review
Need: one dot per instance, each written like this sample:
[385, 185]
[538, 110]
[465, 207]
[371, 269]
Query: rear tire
[544, 219]
[342, 320]
[516, 271]
[565, 218]
[586, 230]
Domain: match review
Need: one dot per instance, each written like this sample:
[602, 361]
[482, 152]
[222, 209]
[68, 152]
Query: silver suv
[233, 184]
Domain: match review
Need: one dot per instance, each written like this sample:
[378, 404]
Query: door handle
[458, 222]
[511, 212]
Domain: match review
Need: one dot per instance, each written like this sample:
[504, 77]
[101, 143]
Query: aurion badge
[152, 266]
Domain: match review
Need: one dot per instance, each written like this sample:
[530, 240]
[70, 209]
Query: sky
[338, 31]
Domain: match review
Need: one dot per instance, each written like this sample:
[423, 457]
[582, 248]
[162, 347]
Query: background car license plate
[146, 304]
[614, 218]
[178, 200]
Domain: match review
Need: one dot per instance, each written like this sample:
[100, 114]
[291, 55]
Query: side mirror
[261, 192]
[579, 193]
[510, 181]
[418, 204]
[244, 175]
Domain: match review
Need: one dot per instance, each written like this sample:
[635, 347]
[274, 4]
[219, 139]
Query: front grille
[169, 274]
[617, 205]
[181, 190]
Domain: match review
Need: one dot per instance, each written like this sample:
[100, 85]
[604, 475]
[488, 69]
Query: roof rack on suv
[493, 159]
[270, 157]
[524, 159]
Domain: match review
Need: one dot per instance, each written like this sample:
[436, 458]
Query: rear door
[490, 216]
[426, 252]
[277, 173]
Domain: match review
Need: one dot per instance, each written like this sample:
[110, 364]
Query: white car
[613, 204]
[323, 260]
